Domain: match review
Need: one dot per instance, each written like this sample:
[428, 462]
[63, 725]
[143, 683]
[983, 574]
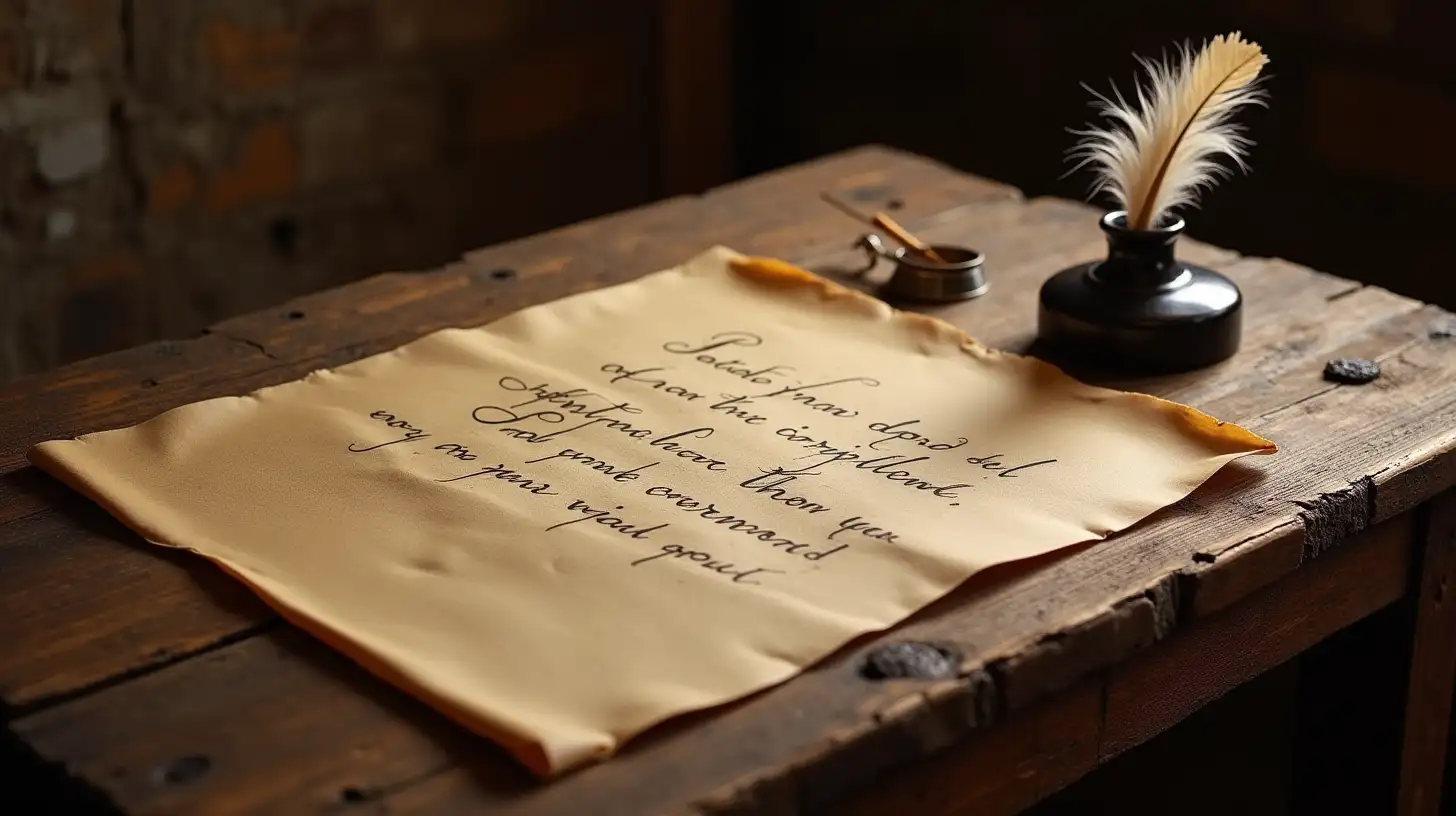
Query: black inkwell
[1141, 310]
[1352, 370]
[958, 275]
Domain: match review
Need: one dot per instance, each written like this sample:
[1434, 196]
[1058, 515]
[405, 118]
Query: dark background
[166, 165]
[1351, 172]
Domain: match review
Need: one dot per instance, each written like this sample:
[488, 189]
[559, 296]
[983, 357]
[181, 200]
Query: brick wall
[1353, 171]
[166, 164]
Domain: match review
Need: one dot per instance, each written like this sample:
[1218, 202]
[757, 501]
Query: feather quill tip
[1160, 154]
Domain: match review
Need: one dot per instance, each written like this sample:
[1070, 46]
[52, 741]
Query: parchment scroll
[591, 515]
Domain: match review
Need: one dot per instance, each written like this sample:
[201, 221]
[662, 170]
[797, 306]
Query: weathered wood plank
[141, 607]
[1147, 696]
[1120, 598]
[1433, 667]
[1028, 636]
[37, 570]
[100, 392]
[1003, 623]
[1032, 755]
[1024, 237]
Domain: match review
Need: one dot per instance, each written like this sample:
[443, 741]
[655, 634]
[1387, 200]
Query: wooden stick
[900, 234]
[884, 222]
[844, 207]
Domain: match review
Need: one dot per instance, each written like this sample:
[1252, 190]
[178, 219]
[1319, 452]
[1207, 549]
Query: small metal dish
[917, 278]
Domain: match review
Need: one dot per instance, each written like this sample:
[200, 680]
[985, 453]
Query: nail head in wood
[1351, 370]
[916, 661]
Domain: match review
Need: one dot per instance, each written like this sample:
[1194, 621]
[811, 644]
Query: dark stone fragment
[920, 661]
[1351, 370]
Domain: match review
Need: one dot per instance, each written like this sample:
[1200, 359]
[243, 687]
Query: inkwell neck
[1140, 259]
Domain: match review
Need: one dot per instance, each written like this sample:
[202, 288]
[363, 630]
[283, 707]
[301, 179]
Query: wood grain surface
[1433, 667]
[155, 680]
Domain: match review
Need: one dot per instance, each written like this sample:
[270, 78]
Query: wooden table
[149, 679]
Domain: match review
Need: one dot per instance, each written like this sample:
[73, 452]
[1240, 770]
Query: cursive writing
[815, 402]
[738, 575]
[615, 472]
[889, 466]
[579, 404]
[901, 453]
[607, 519]
[769, 484]
[994, 463]
[736, 407]
[855, 524]
[719, 360]
[621, 373]
[709, 511]
[505, 474]
[899, 431]
[411, 433]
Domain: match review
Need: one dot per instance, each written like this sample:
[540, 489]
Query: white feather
[1159, 155]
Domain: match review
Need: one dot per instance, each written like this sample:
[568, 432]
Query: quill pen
[1160, 155]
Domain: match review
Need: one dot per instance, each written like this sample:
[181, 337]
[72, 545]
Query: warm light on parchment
[594, 514]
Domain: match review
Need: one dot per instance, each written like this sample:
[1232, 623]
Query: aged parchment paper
[591, 515]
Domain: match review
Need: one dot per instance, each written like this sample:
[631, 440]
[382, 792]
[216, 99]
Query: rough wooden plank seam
[1193, 578]
[1009, 684]
[1061, 658]
[943, 713]
[244, 341]
[1210, 556]
[930, 719]
[1330, 518]
[161, 662]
